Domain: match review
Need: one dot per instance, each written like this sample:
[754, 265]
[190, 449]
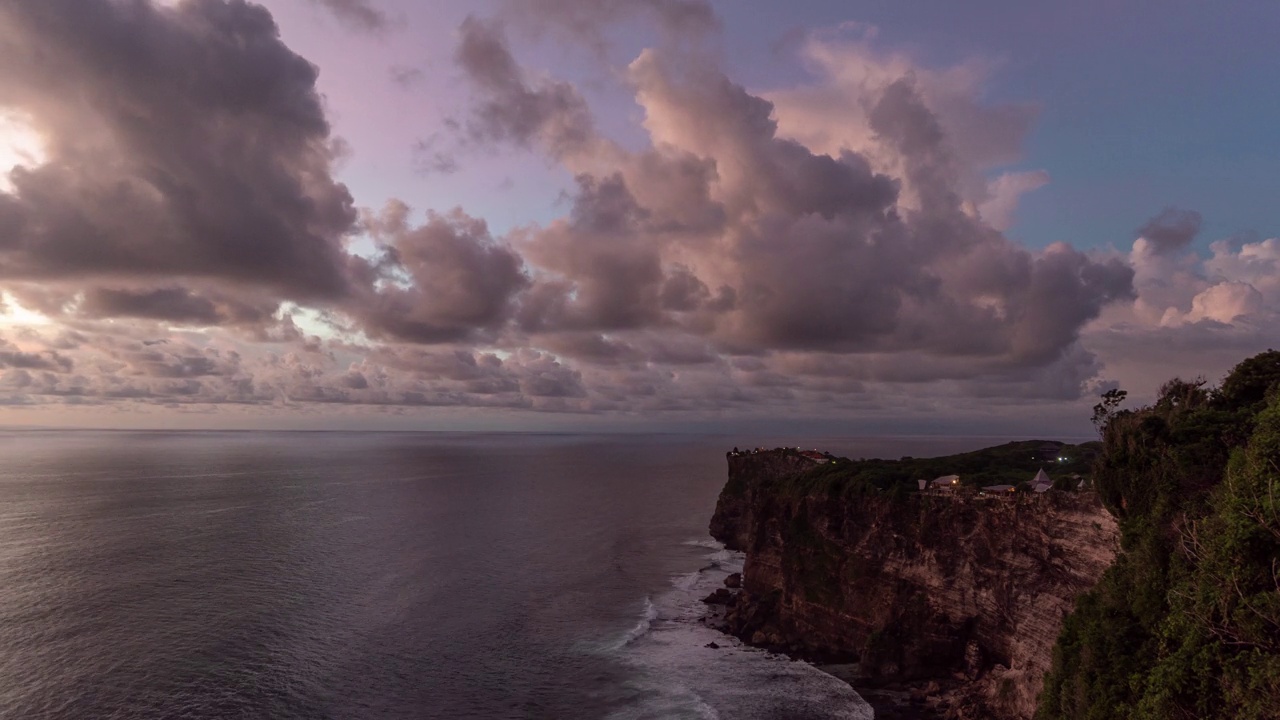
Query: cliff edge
[966, 589]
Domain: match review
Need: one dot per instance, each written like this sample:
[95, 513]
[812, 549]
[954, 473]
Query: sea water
[367, 575]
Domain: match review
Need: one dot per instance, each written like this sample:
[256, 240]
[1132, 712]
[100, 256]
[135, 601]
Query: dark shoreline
[892, 701]
[889, 701]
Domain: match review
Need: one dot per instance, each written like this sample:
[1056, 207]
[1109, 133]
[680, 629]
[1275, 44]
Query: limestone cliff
[913, 586]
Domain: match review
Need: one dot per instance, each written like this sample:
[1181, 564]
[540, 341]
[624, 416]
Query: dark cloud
[1066, 289]
[443, 281]
[51, 360]
[608, 272]
[179, 362]
[176, 305]
[182, 142]
[511, 109]
[357, 14]
[682, 291]
[1172, 230]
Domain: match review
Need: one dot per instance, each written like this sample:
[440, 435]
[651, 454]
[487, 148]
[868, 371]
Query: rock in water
[720, 596]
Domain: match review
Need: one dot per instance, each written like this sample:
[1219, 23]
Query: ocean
[378, 575]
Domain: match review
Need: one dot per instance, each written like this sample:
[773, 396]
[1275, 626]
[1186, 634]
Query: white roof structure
[1041, 482]
[946, 481]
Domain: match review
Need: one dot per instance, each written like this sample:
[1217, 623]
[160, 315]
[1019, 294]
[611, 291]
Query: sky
[681, 215]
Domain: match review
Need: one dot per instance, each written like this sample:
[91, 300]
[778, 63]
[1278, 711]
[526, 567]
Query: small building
[1041, 482]
[815, 456]
[946, 482]
[923, 483]
[998, 489]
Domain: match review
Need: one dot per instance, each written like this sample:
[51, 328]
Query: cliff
[913, 586]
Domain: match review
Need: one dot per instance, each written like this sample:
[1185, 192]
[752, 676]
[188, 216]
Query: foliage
[1103, 411]
[1249, 382]
[1008, 464]
[1186, 623]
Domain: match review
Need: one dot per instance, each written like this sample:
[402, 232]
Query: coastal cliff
[965, 589]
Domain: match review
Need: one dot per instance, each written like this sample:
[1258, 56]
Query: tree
[1107, 409]
[1182, 395]
[1246, 387]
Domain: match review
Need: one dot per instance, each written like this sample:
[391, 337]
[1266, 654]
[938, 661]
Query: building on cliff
[946, 482]
[998, 489]
[815, 456]
[1041, 482]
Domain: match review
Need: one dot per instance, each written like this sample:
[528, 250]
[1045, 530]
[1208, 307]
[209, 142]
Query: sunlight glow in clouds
[183, 235]
[20, 145]
[13, 313]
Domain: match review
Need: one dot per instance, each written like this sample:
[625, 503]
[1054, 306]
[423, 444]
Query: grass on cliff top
[1009, 464]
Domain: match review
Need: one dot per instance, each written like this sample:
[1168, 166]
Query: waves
[642, 627]
[686, 669]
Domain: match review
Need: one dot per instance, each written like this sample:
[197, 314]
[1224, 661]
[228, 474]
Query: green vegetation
[1009, 464]
[1186, 623]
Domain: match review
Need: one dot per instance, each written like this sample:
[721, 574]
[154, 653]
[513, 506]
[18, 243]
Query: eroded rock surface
[967, 589]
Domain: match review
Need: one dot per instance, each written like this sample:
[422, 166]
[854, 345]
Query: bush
[1186, 623]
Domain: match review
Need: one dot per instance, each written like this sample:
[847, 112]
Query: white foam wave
[727, 558]
[681, 677]
[666, 702]
[688, 580]
[643, 626]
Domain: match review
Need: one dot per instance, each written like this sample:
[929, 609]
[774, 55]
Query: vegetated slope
[1186, 623]
[1009, 464]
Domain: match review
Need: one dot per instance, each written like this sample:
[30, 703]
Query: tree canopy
[1186, 623]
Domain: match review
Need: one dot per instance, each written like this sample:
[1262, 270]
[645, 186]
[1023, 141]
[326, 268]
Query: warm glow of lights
[20, 144]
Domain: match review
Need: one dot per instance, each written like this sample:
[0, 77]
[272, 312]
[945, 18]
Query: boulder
[720, 596]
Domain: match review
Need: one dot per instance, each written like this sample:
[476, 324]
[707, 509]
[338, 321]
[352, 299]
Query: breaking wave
[687, 669]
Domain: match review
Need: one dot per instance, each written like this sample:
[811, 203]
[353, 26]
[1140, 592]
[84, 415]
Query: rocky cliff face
[915, 588]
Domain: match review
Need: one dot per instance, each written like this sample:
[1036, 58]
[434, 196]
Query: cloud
[835, 248]
[831, 115]
[183, 143]
[1225, 302]
[52, 360]
[177, 305]
[406, 76]
[356, 14]
[445, 280]
[588, 20]
[1003, 194]
[1192, 315]
[514, 109]
[806, 250]
[1171, 230]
